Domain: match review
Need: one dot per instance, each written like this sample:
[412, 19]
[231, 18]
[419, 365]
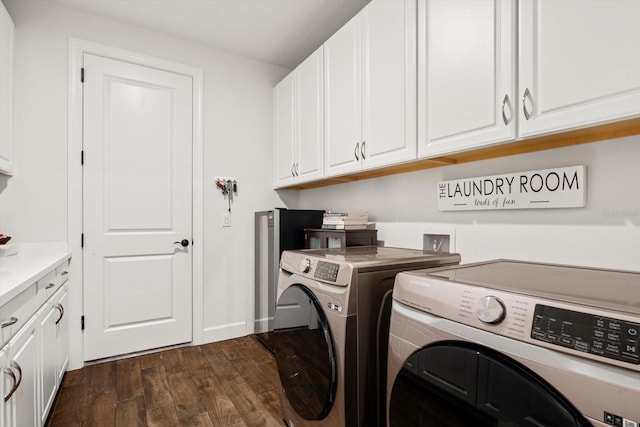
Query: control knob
[305, 265]
[490, 310]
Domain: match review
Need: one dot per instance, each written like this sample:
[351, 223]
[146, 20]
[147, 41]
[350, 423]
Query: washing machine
[509, 343]
[331, 331]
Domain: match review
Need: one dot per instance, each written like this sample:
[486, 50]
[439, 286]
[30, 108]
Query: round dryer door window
[304, 353]
[460, 384]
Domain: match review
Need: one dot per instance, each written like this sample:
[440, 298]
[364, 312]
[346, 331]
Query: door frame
[77, 49]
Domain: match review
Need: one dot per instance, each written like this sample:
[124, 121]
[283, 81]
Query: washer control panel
[602, 336]
[327, 271]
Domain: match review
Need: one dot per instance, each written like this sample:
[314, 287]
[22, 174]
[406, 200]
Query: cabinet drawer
[15, 313]
[49, 284]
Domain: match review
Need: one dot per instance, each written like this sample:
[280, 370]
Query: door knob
[183, 242]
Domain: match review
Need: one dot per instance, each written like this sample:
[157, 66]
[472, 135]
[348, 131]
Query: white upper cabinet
[6, 88]
[466, 74]
[299, 138]
[370, 89]
[284, 132]
[389, 83]
[579, 64]
[343, 99]
[310, 115]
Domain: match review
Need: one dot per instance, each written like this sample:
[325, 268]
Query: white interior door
[137, 201]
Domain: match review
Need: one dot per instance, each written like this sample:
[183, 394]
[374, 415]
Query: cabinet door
[21, 410]
[5, 384]
[48, 360]
[579, 63]
[62, 334]
[389, 82]
[466, 74]
[6, 88]
[284, 132]
[309, 118]
[343, 100]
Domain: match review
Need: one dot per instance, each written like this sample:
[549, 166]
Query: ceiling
[279, 32]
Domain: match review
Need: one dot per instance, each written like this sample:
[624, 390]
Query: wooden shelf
[546, 142]
[346, 238]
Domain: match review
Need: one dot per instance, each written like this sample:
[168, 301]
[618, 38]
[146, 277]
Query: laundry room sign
[538, 189]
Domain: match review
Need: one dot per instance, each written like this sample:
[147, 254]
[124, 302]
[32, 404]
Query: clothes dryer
[508, 343]
[331, 331]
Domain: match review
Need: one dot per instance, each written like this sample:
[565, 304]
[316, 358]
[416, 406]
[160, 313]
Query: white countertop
[31, 263]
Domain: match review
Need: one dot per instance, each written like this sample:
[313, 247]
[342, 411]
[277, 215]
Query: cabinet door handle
[64, 273]
[362, 149]
[292, 172]
[50, 285]
[295, 169]
[357, 150]
[505, 101]
[16, 383]
[60, 308]
[12, 320]
[526, 95]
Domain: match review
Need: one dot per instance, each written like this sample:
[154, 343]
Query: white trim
[228, 331]
[77, 49]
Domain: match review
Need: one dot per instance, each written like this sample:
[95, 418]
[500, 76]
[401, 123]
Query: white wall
[605, 233]
[237, 143]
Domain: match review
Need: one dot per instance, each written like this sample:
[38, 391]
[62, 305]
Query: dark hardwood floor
[228, 383]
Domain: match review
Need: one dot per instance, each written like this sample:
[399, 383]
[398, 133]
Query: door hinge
[82, 157]
[82, 75]
[82, 323]
[82, 240]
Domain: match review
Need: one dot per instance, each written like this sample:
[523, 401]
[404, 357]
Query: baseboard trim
[225, 332]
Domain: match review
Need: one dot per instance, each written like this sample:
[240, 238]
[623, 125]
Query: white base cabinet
[35, 358]
[579, 64]
[54, 349]
[20, 384]
[62, 334]
[48, 363]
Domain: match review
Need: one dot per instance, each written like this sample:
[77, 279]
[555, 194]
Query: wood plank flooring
[230, 383]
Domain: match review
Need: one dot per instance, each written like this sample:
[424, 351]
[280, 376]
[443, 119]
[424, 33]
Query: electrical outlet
[226, 219]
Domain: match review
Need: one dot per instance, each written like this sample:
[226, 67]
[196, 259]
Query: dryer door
[304, 353]
[461, 384]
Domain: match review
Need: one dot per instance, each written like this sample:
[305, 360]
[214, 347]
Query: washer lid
[609, 289]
